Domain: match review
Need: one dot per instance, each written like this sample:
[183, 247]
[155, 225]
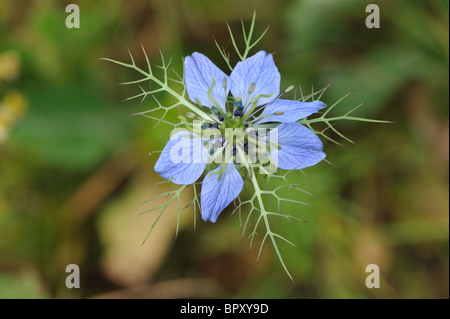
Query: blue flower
[255, 88]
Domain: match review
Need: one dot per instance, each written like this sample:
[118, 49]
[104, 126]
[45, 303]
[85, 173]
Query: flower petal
[299, 147]
[199, 73]
[293, 110]
[259, 72]
[217, 193]
[183, 159]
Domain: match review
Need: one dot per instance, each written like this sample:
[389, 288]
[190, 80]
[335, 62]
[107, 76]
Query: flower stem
[264, 215]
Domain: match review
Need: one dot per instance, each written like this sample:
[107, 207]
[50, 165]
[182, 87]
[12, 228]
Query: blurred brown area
[75, 170]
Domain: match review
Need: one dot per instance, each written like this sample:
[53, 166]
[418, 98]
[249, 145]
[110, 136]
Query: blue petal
[183, 159]
[300, 147]
[259, 71]
[199, 73]
[217, 194]
[293, 110]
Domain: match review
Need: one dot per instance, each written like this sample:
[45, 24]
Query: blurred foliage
[74, 166]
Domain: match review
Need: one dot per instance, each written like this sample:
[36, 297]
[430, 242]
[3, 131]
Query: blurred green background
[74, 167]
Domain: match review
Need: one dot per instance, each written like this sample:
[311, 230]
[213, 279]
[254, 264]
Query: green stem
[264, 215]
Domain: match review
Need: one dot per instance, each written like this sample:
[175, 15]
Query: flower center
[228, 119]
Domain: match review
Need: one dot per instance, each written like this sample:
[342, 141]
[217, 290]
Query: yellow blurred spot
[9, 66]
[16, 103]
[12, 108]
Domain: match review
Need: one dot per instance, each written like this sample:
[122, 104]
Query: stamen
[279, 96]
[265, 116]
[254, 101]
[239, 112]
[239, 108]
[191, 115]
[237, 102]
[215, 108]
[251, 88]
[288, 89]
